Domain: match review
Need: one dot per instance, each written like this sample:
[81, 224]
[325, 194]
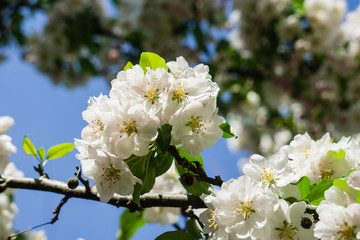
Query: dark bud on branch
[187, 179]
[73, 183]
[306, 223]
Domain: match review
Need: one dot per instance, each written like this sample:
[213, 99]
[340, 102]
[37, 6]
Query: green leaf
[193, 229]
[340, 154]
[129, 65]
[175, 235]
[143, 168]
[162, 162]
[130, 222]
[59, 150]
[317, 191]
[226, 128]
[304, 186]
[299, 8]
[152, 60]
[197, 188]
[41, 153]
[164, 137]
[29, 147]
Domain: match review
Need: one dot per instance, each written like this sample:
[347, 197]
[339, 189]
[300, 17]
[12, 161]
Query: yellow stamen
[99, 126]
[111, 174]
[268, 175]
[347, 233]
[179, 94]
[152, 93]
[287, 231]
[211, 220]
[195, 124]
[129, 127]
[243, 208]
[326, 173]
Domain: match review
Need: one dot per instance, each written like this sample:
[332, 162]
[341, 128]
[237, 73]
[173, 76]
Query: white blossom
[7, 213]
[130, 130]
[243, 208]
[291, 222]
[97, 114]
[354, 180]
[110, 174]
[196, 127]
[149, 89]
[11, 172]
[6, 123]
[338, 222]
[35, 235]
[272, 173]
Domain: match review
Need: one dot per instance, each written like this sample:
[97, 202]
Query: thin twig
[27, 229]
[196, 169]
[57, 210]
[82, 180]
[53, 220]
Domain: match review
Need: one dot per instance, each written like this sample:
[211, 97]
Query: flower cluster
[312, 45]
[270, 200]
[8, 170]
[126, 123]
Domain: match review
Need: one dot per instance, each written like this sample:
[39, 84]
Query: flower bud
[306, 223]
[73, 183]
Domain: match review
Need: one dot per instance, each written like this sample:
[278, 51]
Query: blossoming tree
[141, 150]
[296, 72]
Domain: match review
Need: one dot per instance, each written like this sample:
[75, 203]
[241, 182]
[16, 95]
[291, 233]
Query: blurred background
[284, 67]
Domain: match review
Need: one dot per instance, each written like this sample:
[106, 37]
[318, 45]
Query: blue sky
[51, 115]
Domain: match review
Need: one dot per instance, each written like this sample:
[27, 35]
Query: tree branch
[146, 200]
[197, 169]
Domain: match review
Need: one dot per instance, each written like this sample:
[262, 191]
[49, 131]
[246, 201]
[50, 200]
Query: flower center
[111, 174]
[287, 231]
[179, 94]
[211, 220]
[99, 126]
[195, 124]
[243, 208]
[129, 127]
[347, 233]
[152, 93]
[268, 175]
[326, 173]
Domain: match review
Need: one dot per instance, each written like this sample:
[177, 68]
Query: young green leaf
[317, 191]
[29, 147]
[129, 65]
[164, 137]
[197, 188]
[41, 153]
[59, 150]
[130, 222]
[304, 186]
[226, 128]
[152, 60]
[175, 235]
[340, 154]
[193, 229]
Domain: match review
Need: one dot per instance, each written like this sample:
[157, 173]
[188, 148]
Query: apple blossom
[110, 174]
[196, 127]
